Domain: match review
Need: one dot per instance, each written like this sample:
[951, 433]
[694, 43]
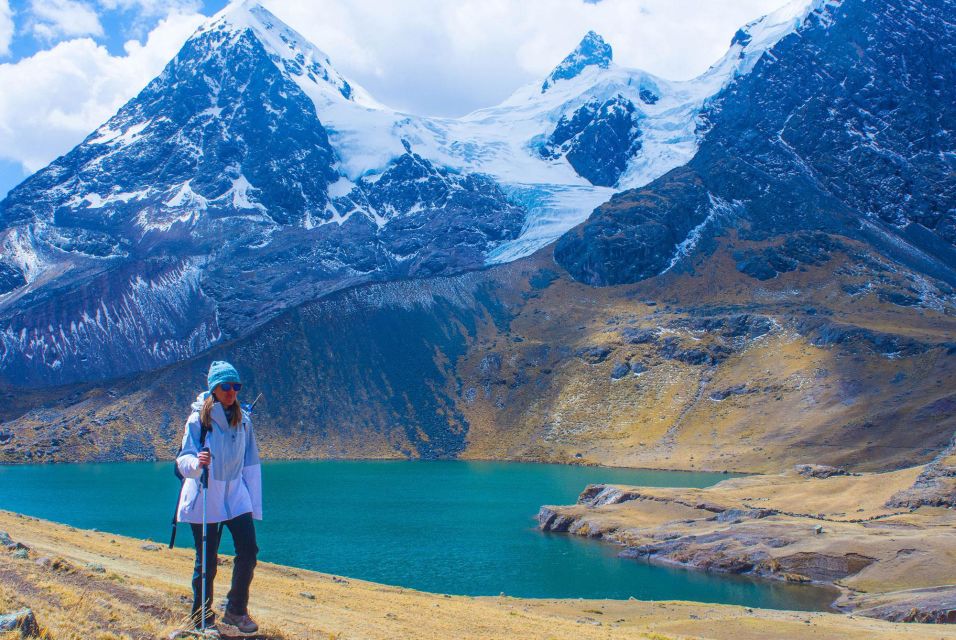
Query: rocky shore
[882, 540]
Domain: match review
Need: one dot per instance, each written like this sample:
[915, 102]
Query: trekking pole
[204, 481]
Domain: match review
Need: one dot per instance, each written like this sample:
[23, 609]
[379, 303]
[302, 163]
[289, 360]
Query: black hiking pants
[244, 540]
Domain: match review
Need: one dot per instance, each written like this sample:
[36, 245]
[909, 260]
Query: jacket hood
[200, 399]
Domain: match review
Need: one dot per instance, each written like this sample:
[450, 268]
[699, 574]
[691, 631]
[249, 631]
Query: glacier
[500, 141]
[251, 176]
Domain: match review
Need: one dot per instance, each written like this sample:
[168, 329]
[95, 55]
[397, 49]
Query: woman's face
[226, 398]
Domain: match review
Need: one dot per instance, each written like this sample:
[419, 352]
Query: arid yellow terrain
[86, 584]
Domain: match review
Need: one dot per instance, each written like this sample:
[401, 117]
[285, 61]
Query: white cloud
[64, 93]
[6, 27]
[153, 8]
[52, 20]
[447, 58]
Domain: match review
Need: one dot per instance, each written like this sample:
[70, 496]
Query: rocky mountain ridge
[251, 177]
[845, 127]
[685, 371]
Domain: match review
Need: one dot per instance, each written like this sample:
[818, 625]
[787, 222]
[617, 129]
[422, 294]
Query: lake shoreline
[736, 527]
[445, 527]
[588, 465]
[81, 582]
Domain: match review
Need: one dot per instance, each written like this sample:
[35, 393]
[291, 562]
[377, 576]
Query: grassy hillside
[847, 359]
[713, 370]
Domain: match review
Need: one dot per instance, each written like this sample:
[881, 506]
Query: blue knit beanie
[221, 371]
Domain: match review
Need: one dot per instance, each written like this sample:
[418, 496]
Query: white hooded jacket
[235, 474]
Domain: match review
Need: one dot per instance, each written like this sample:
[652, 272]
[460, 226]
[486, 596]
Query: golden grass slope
[135, 593]
[802, 397]
[842, 375]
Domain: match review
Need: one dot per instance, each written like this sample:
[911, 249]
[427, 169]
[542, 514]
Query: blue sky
[67, 65]
[120, 22]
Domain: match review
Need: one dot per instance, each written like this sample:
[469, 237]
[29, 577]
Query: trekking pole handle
[255, 402]
[204, 478]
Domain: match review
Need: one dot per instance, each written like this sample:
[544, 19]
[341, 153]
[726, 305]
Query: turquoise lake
[449, 527]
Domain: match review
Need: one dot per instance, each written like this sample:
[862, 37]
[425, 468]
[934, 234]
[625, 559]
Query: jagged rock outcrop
[820, 471]
[922, 606]
[598, 139]
[936, 484]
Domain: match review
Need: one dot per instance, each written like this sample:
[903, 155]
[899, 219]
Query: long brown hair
[205, 414]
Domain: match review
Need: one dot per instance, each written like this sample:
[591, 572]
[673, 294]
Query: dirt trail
[108, 586]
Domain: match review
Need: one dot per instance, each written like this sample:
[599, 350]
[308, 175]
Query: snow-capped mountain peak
[289, 50]
[591, 51]
[251, 176]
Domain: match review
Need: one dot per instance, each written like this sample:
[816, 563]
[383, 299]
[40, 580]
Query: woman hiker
[234, 495]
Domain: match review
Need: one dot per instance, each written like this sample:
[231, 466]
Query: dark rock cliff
[846, 125]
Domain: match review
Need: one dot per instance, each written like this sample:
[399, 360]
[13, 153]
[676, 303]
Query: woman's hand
[204, 458]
